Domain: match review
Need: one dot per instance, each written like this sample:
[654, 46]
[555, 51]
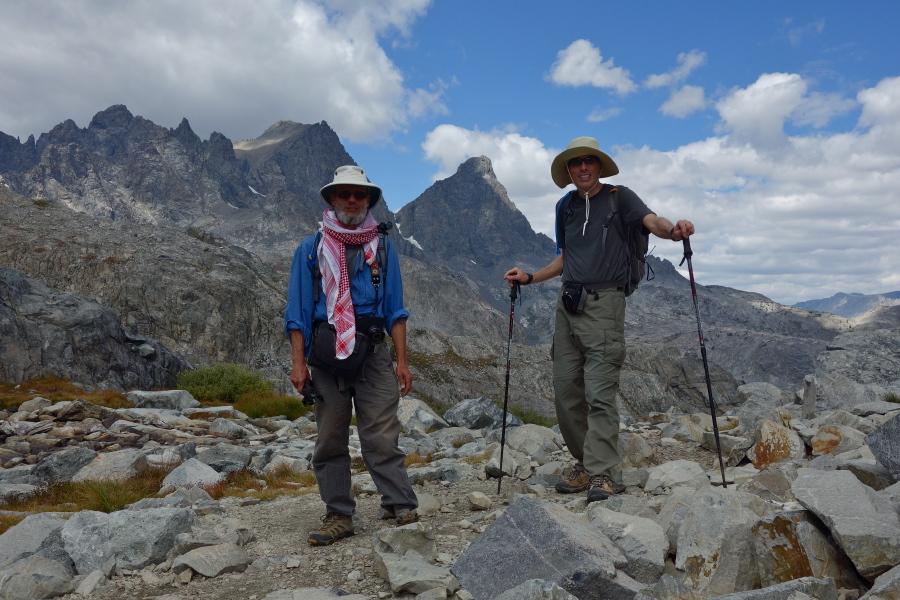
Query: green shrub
[891, 397]
[531, 416]
[257, 405]
[222, 383]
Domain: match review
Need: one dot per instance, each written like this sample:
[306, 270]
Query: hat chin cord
[587, 201]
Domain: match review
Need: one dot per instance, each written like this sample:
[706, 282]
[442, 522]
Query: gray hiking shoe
[405, 517]
[334, 527]
[600, 488]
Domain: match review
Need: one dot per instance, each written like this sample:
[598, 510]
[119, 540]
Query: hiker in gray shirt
[589, 333]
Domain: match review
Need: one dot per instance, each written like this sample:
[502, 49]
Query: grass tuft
[56, 389]
[222, 383]
[414, 458]
[103, 496]
[891, 397]
[257, 405]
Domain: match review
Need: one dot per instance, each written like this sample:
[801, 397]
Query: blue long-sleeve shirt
[302, 310]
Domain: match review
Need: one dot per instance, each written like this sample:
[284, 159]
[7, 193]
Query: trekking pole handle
[514, 291]
[688, 253]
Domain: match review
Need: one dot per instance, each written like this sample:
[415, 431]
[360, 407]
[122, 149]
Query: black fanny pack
[369, 333]
[573, 297]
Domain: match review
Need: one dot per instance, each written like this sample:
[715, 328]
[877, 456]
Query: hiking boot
[405, 517]
[334, 527]
[576, 482]
[600, 488]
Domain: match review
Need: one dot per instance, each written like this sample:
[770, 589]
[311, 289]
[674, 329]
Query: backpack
[636, 239]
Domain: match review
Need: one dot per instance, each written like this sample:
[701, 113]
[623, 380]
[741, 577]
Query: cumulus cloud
[683, 102]
[232, 66]
[759, 112]
[582, 64]
[603, 114]
[814, 214]
[687, 63]
[687, 99]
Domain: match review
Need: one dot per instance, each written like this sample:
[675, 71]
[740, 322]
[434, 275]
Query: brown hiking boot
[405, 517]
[576, 482]
[600, 488]
[334, 527]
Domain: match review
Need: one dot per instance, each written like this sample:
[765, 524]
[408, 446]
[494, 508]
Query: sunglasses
[345, 195]
[588, 160]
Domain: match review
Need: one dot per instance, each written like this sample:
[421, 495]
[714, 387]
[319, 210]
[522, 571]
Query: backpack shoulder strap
[613, 209]
[380, 263]
[313, 260]
[561, 204]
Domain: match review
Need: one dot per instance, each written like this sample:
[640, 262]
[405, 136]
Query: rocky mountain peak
[117, 115]
[277, 133]
[458, 220]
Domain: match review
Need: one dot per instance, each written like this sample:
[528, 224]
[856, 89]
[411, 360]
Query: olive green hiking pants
[588, 354]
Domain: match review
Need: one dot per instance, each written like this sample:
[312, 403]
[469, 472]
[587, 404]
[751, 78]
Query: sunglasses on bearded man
[345, 195]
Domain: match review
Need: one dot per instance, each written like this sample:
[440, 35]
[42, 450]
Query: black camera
[376, 335]
[311, 395]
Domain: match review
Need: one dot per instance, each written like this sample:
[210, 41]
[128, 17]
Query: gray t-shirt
[586, 262]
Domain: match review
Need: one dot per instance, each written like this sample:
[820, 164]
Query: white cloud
[757, 114]
[683, 102]
[687, 63]
[881, 104]
[232, 66]
[431, 101]
[796, 35]
[582, 64]
[599, 114]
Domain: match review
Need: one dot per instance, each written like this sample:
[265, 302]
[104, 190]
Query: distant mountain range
[851, 305]
[189, 242]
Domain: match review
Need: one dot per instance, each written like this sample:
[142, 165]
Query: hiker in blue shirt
[345, 292]
[589, 333]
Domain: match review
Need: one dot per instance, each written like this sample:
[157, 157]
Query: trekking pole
[513, 294]
[712, 403]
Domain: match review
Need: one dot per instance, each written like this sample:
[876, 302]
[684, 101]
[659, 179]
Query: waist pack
[573, 297]
[369, 332]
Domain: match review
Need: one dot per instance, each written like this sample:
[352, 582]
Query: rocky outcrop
[205, 300]
[45, 332]
[859, 366]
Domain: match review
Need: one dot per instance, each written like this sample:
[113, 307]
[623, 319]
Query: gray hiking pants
[588, 354]
[375, 401]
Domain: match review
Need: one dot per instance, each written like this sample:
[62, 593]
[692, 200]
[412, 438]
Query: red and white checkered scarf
[333, 261]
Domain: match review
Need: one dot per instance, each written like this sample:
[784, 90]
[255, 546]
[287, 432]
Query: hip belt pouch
[323, 356]
[573, 297]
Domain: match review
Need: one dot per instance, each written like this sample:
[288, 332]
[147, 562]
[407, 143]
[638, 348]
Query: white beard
[346, 219]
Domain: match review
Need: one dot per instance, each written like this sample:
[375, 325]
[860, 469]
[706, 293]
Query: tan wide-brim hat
[580, 146]
[351, 175]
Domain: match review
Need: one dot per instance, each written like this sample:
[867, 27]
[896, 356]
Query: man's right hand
[515, 274]
[299, 376]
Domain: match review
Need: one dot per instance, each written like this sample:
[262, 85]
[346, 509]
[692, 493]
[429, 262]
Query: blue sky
[774, 126]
